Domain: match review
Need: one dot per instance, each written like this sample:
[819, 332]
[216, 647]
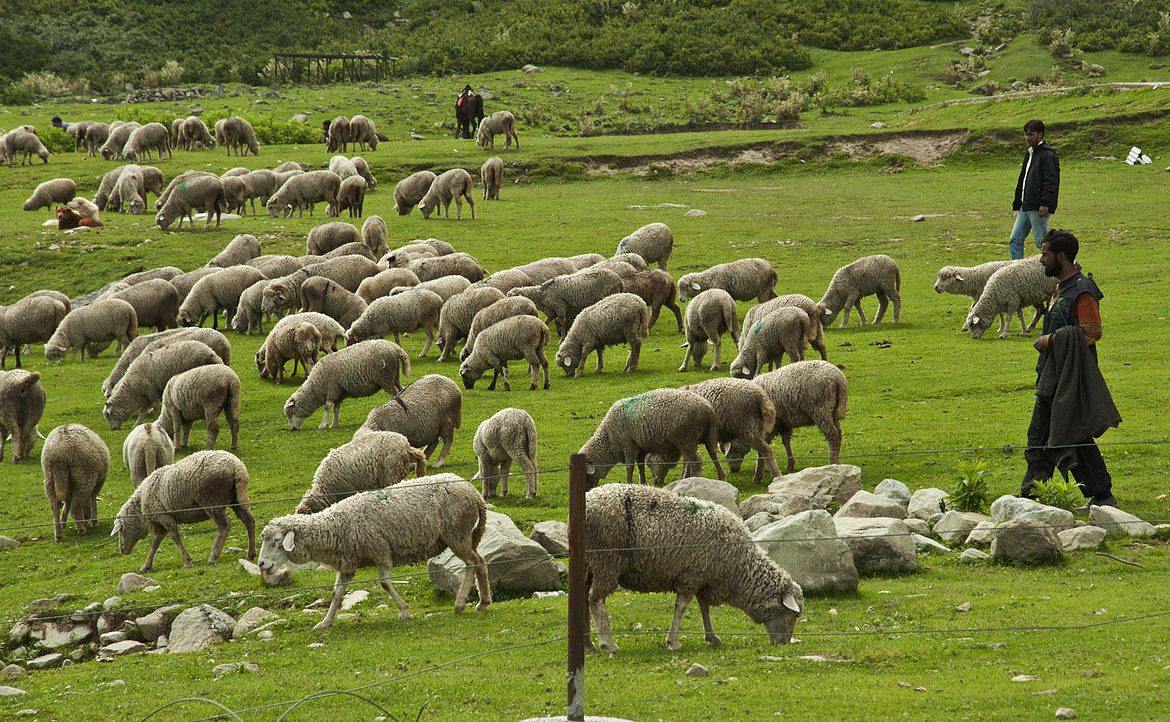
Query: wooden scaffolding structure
[323, 68]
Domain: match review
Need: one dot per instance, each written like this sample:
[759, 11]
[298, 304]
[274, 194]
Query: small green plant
[1060, 493]
[971, 493]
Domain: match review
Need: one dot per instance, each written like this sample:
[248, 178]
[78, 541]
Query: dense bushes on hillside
[1134, 26]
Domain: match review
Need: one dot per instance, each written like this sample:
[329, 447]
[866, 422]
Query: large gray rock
[807, 546]
[151, 626]
[982, 535]
[198, 628]
[761, 520]
[119, 649]
[712, 490]
[894, 489]
[955, 526]
[516, 563]
[879, 546]
[1014, 507]
[54, 635]
[1118, 523]
[755, 504]
[918, 526]
[1026, 541]
[1081, 537]
[19, 633]
[131, 582]
[46, 661]
[821, 485]
[867, 505]
[13, 671]
[926, 544]
[970, 556]
[925, 503]
[553, 536]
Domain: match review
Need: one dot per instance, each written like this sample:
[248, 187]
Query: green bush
[15, 94]
[1059, 493]
[971, 493]
[1134, 26]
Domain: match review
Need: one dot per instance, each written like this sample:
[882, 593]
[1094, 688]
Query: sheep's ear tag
[960, 278]
[790, 602]
[746, 370]
[288, 542]
[695, 286]
[590, 469]
[975, 319]
[827, 312]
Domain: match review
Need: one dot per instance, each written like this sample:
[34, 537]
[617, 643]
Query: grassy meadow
[922, 397]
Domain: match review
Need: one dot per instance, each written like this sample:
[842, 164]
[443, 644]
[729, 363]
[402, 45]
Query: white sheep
[32, 319]
[354, 248]
[201, 394]
[202, 486]
[816, 333]
[403, 524]
[353, 372]
[304, 191]
[506, 436]
[238, 135]
[654, 242]
[522, 337]
[300, 342]
[744, 279]
[351, 196]
[330, 330]
[178, 180]
[426, 412]
[342, 166]
[620, 318]
[452, 264]
[374, 460]
[260, 184]
[966, 280]
[199, 193]
[683, 545]
[416, 309]
[363, 169]
[491, 175]
[325, 237]
[100, 321]
[235, 195]
[410, 190]
[216, 292]
[337, 139]
[349, 271]
[129, 191]
[25, 143]
[504, 308]
[1008, 292]
[241, 249]
[146, 448]
[455, 183]
[75, 462]
[275, 265]
[386, 281]
[249, 315]
[50, 193]
[95, 135]
[807, 393]
[508, 279]
[375, 234]
[446, 286]
[152, 136]
[500, 121]
[166, 273]
[457, 314]
[117, 138]
[783, 331]
[362, 132]
[141, 388]
[867, 276]
[155, 302]
[709, 315]
[330, 298]
[563, 297]
[195, 134]
[22, 403]
[211, 338]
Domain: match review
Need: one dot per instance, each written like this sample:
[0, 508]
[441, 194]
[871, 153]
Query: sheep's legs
[427, 345]
[860, 313]
[325, 416]
[635, 354]
[58, 508]
[528, 466]
[446, 448]
[786, 437]
[474, 570]
[708, 630]
[718, 360]
[159, 535]
[897, 299]
[244, 514]
[211, 417]
[832, 432]
[680, 606]
[504, 470]
[597, 611]
[692, 464]
[384, 580]
[343, 579]
[766, 459]
[883, 303]
[504, 374]
[600, 351]
[222, 526]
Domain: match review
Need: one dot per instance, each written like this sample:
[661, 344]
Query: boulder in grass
[865, 504]
[879, 545]
[822, 485]
[1009, 507]
[1081, 537]
[198, 628]
[1026, 541]
[925, 503]
[955, 526]
[894, 489]
[553, 536]
[806, 545]
[1118, 523]
[712, 490]
[516, 564]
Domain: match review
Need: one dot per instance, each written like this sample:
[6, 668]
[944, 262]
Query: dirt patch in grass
[925, 148]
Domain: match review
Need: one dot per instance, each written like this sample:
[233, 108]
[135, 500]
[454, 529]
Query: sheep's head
[425, 209]
[977, 325]
[163, 220]
[827, 314]
[782, 621]
[130, 154]
[54, 351]
[130, 525]
[278, 547]
[470, 374]
[947, 278]
[137, 207]
[187, 317]
[567, 361]
[293, 412]
[688, 288]
[115, 415]
[261, 365]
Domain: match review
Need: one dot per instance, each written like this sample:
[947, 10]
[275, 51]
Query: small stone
[265, 634]
[119, 649]
[10, 692]
[249, 567]
[13, 671]
[920, 689]
[926, 544]
[697, 670]
[316, 645]
[904, 684]
[416, 136]
[228, 668]
[1065, 713]
[46, 661]
[353, 598]
[131, 582]
[111, 603]
[877, 125]
[695, 212]
[970, 556]
[47, 603]
[113, 683]
[964, 607]
[1024, 678]
[530, 68]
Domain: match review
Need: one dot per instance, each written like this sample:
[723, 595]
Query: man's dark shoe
[1107, 500]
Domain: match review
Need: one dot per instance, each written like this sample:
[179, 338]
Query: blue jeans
[1025, 221]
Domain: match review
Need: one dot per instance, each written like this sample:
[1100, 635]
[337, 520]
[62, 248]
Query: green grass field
[922, 396]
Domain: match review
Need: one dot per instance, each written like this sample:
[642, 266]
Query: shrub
[55, 139]
[1060, 493]
[15, 94]
[971, 493]
[171, 73]
[45, 84]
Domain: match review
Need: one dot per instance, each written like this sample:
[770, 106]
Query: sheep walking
[425, 412]
[355, 371]
[146, 448]
[868, 276]
[506, 436]
[1008, 292]
[709, 316]
[500, 121]
[455, 183]
[22, 402]
[405, 524]
[807, 393]
[522, 337]
[201, 394]
[491, 175]
[686, 546]
[620, 318]
[374, 460]
[75, 462]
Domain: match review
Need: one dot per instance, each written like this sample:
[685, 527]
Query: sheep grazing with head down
[375, 235]
[202, 486]
[101, 321]
[152, 136]
[146, 448]
[455, 183]
[446, 286]
[363, 169]
[410, 190]
[141, 388]
[404, 524]
[620, 318]
[238, 135]
[457, 314]
[451, 264]
[563, 297]
[493, 314]
[117, 138]
[1008, 292]
[351, 196]
[75, 462]
[156, 303]
[32, 319]
[522, 337]
[355, 371]
[744, 279]
[129, 193]
[95, 135]
[215, 293]
[816, 333]
[375, 460]
[491, 174]
[500, 121]
[51, 192]
[425, 412]
[238, 251]
[687, 546]
[709, 316]
[656, 288]
[300, 342]
[325, 237]
[195, 134]
[966, 280]
[22, 402]
[330, 298]
[867, 276]
[199, 193]
[362, 132]
[384, 282]
[337, 139]
[506, 436]
[304, 191]
[25, 143]
[201, 394]
[654, 242]
[806, 393]
[783, 331]
[209, 337]
[417, 309]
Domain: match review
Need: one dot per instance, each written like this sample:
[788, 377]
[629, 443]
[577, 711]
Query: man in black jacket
[1036, 190]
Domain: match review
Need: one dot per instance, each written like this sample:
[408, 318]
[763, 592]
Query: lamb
[807, 393]
[235, 194]
[304, 191]
[238, 251]
[249, 315]
[491, 174]
[211, 338]
[504, 308]
[342, 166]
[506, 436]
[967, 280]
[22, 402]
[107, 320]
[351, 196]
[95, 136]
[259, 184]
[330, 330]
[816, 334]
[373, 461]
[1008, 292]
[155, 302]
[275, 265]
[327, 236]
[362, 132]
[522, 337]
[184, 282]
[117, 138]
[404, 524]
[146, 448]
[201, 393]
[141, 388]
[653, 242]
[25, 143]
[689, 547]
[238, 135]
[670, 422]
[453, 264]
[784, 331]
[410, 190]
[328, 297]
[75, 462]
[620, 318]
[425, 412]
[870, 275]
[51, 193]
[457, 314]
[657, 289]
[384, 282]
[219, 291]
[744, 279]
[338, 135]
[300, 342]
[455, 183]
[32, 319]
[129, 191]
[709, 315]
[363, 169]
[563, 297]
[202, 486]
[355, 371]
[84, 207]
[416, 309]
[195, 134]
[152, 136]
[500, 121]
[197, 193]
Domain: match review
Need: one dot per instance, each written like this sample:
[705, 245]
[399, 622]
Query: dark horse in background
[468, 114]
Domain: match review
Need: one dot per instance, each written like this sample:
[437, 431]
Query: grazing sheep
[657, 289]
[491, 174]
[195, 134]
[95, 136]
[57, 295]
[201, 393]
[427, 411]
[328, 297]
[117, 138]
[238, 135]
[235, 195]
[1008, 292]
[199, 193]
[375, 234]
[744, 279]
[355, 371]
[816, 335]
[155, 302]
[25, 143]
[500, 121]
[690, 547]
[709, 315]
[506, 436]
[563, 297]
[522, 337]
[784, 331]
[337, 140]
[966, 280]
[363, 169]
[330, 330]
[105, 320]
[130, 190]
[32, 319]
[351, 195]
[141, 387]
[457, 314]
[22, 402]
[109, 180]
[259, 184]
[211, 338]
[300, 342]
[621, 268]
[287, 166]
[372, 461]
[508, 307]
[633, 259]
[416, 309]
[362, 132]
[304, 191]
[75, 462]
[413, 250]
[249, 315]
[146, 448]
[871, 275]
[453, 264]
[455, 183]
[405, 524]
[410, 190]
[152, 136]
[84, 207]
[342, 166]
[508, 279]
[178, 180]
[807, 393]
[275, 265]
[620, 318]
[384, 282]
[184, 282]
[77, 130]
[238, 251]
[669, 422]
[653, 242]
[202, 486]
[219, 291]
[325, 237]
[51, 193]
